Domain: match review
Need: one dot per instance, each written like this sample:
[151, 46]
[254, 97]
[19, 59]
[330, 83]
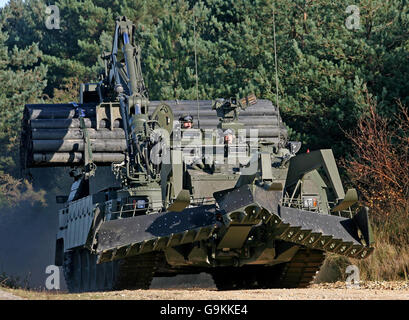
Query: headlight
[141, 204]
[138, 203]
[310, 202]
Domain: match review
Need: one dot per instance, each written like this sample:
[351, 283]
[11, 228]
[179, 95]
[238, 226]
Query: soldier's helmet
[186, 121]
[228, 136]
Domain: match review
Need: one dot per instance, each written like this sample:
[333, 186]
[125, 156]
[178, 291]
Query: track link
[301, 270]
[136, 272]
[298, 273]
[230, 278]
[68, 270]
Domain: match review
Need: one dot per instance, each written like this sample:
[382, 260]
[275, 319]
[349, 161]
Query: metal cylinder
[72, 134]
[209, 113]
[58, 111]
[249, 122]
[111, 145]
[52, 132]
[66, 158]
[69, 123]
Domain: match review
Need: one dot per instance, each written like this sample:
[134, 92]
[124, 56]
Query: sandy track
[276, 294]
[8, 296]
[338, 291]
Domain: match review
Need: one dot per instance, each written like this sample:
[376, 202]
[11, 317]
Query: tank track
[68, 271]
[229, 278]
[83, 274]
[298, 273]
[136, 272]
[302, 269]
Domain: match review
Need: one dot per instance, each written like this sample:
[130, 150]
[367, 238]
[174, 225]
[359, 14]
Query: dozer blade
[122, 238]
[251, 204]
[241, 209]
[322, 232]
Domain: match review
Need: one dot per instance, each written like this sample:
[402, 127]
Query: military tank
[226, 193]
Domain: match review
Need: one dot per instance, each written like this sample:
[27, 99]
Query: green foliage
[326, 71]
[331, 69]
[22, 79]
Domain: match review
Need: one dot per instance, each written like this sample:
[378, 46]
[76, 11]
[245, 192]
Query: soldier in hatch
[186, 122]
[191, 152]
[229, 137]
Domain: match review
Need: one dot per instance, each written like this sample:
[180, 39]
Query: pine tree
[326, 71]
[22, 80]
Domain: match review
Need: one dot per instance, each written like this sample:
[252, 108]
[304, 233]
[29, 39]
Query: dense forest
[336, 81]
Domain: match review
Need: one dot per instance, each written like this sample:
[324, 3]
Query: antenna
[197, 78]
[276, 71]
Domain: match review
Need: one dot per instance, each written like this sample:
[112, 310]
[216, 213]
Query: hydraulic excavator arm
[124, 78]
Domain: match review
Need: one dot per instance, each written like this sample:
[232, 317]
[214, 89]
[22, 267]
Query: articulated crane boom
[123, 77]
[128, 76]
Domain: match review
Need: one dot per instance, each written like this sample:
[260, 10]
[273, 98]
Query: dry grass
[7, 281]
[380, 162]
[379, 170]
[389, 261]
[13, 192]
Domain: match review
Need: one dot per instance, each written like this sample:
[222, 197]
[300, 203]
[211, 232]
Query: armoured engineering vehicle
[228, 196]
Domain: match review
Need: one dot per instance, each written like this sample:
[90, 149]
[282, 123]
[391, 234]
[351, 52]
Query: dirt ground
[333, 291]
[8, 296]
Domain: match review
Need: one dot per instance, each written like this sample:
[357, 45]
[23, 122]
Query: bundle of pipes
[52, 134]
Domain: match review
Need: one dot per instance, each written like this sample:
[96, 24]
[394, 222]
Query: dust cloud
[28, 234]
